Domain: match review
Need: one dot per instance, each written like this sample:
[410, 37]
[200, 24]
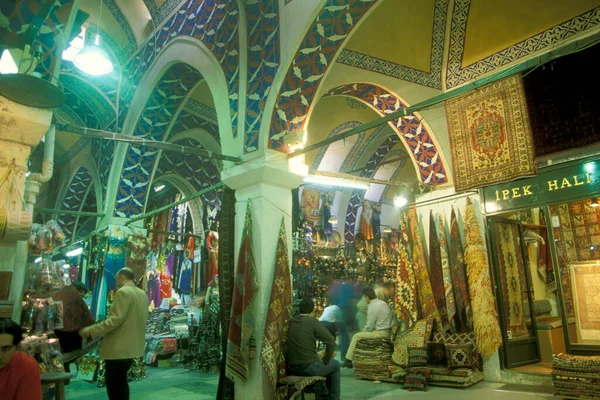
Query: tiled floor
[180, 384]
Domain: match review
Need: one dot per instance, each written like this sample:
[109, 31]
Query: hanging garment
[366, 227]
[112, 264]
[170, 264]
[185, 277]
[154, 289]
[166, 286]
[376, 223]
[212, 246]
[327, 226]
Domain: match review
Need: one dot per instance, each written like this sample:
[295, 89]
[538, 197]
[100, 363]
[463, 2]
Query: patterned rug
[436, 276]
[242, 313]
[586, 282]
[406, 287]
[425, 293]
[514, 279]
[576, 376]
[485, 315]
[226, 276]
[445, 258]
[272, 355]
[464, 314]
[490, 135]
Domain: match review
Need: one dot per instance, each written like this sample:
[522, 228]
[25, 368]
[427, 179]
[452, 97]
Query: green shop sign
[550, 186]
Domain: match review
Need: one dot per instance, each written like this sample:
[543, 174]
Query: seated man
[302, 357]
[19, 373]
[380, 320]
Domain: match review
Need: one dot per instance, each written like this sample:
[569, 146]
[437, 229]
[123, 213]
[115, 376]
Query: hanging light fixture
[93, 59]
[403, 197]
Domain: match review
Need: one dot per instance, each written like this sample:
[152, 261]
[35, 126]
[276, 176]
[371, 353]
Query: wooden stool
[58, 379]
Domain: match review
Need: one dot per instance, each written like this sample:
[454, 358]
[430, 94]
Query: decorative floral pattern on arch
[73, 200]
[414, 134]
[316, 53]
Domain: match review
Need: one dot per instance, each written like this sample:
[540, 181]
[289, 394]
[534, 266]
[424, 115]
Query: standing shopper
[124, 333]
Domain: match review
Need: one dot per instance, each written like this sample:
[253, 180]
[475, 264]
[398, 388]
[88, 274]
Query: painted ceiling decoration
[263, 62]
[315, 55]
[353, 158]
[202, 110]
[432, 78]
[415, 135]
[122, 21]
[457, 73]
[187, 120]
[346, 126]
[159, 13]
[80, 91]
[74, 198]
[163, 104]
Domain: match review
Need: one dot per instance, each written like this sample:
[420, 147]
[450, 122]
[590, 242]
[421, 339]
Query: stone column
[266, 183]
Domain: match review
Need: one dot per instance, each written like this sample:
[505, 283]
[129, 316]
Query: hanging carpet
[272, 355]
[485, 315]
[490, 135]
[406, 289]
[464, 314]
[242, 314]
[445, 259]
[436, 276]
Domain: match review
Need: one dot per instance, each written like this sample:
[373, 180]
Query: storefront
[544, 234]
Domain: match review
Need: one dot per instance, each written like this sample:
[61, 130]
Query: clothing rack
[169, 233]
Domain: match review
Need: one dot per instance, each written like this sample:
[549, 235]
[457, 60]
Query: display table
[58, 379]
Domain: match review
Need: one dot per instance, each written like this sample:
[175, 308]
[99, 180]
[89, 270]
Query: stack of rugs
[576, 376]
[417, 358]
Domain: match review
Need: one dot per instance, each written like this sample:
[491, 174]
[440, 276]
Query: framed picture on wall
[585, 282]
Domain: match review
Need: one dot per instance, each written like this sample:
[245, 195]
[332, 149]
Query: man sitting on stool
[379, 323]
[303, 359]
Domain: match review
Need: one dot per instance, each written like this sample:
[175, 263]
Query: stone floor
[180, 384]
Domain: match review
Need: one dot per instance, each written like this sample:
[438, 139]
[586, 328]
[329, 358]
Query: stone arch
[181, 61]
[415, 134]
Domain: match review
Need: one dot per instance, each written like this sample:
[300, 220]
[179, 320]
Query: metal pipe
[148, 143]
[175, 203]
[534, 62]
[67, 212]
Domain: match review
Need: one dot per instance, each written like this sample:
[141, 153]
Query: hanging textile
[445, 258]
[436, 276]
[311, 199]
[406, 286]
[485, 315]
[272, 355]
[426, 299]
[212, 247]
[226, 275]
[464, 314]
[242, 315]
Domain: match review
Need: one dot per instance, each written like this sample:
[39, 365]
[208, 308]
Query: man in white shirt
[379, 323]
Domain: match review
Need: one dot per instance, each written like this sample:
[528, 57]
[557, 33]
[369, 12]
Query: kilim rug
[445, 258]
[512, 285]
[436, 276]
[464, 314]
[242, 313]
[490, 135]
[272, 355]
[406, 290]
[586, 284]
[424, 291]
[226, 276]
[485, 316]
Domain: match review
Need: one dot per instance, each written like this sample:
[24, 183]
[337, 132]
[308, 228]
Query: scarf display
[485, 315]
[445, 259]
[241, 325]
[464, 314]
[426, 299]
[406, 287]
[226, 264]
[272, 355]
[436, 276]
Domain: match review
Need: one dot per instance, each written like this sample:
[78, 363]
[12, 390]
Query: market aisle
[164, 383]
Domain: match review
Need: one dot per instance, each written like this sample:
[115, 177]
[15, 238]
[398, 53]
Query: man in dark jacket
[303, 358]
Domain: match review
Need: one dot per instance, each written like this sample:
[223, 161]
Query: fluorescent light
[333, 220]
[400, 201]
[328, 181]
[75, 253]
[37, 260]
[159, 188]
[387, 230]
[66, 266]
[7, 64]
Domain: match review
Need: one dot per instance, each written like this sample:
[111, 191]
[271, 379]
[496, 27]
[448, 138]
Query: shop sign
[548, 187]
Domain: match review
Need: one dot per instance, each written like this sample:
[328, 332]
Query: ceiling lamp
[93, 59]
[403, 197]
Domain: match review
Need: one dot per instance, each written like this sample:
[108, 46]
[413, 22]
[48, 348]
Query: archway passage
[163, 103]
[75, 198]
[419, 142]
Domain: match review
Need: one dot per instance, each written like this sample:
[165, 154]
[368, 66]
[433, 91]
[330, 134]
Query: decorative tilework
[73, 151]
[263, 60]
[414, 134]
[432, 79]
[403, 156]
[201, 109]
[355, 104]
[457, 75]
[160, 13]
[199, 172]
[356, 154]
[122, 21]
[316, 53]
[186, 121]
[86, 100]
[346, 126]
[163, 103]
[73, 200]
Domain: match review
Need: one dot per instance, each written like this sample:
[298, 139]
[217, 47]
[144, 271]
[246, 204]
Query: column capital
[272, 168]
